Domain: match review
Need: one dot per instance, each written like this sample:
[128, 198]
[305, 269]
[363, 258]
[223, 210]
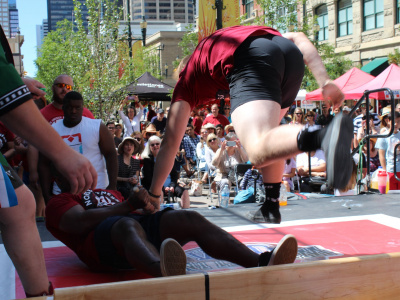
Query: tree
[97, 59]
[394, 58]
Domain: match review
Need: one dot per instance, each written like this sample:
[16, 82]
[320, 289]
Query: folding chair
[315, 181]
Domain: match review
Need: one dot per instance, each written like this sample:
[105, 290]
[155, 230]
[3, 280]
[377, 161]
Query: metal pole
[129, 29]
[219, 5]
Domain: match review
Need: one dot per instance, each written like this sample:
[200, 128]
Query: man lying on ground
[107, 232]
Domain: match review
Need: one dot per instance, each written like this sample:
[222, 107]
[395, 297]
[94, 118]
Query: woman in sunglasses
[139, 138]
[298, 117]
[310, 119]
[172, 184]
[213, 143]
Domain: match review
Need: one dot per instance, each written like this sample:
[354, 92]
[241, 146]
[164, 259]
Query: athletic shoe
[268, 213]
[172, 258]
[336, 145]
[284, 253]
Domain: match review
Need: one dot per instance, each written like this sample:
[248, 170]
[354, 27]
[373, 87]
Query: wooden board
[365, 277]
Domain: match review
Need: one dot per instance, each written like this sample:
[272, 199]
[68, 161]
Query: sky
[31, 13]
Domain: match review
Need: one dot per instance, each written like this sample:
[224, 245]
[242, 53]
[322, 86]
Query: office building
[58, 10]
[41, 32]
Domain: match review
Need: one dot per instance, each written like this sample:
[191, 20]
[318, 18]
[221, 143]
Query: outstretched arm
[176, 125]
[330, 91]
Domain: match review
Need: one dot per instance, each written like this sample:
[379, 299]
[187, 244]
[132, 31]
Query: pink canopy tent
[389, 78]
[348, 81]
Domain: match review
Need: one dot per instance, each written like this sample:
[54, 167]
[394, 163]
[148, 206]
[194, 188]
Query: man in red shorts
[263, 71]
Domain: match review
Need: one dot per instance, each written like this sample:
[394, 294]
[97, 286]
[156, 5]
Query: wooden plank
[365, 277]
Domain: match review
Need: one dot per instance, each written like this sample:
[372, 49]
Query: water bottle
[282, 195]
[225, 196]
[171, 205]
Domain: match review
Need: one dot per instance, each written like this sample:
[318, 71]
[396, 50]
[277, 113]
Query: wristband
[154, 196]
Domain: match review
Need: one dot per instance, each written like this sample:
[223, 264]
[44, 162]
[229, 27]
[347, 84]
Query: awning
[376, 66]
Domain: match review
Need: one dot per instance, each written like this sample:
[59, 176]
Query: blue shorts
[266, 67]
[105, 248]
[9, 181]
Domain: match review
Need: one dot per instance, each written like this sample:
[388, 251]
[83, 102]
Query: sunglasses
[153, 145]
[212, 140]
[231, 131]
[138, 139]
[310, 116]
[64, 85]
[111, 128]
[227, 108]
[150, 133]
[298, 113]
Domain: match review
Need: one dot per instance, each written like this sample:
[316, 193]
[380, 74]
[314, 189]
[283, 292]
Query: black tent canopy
[149, 88]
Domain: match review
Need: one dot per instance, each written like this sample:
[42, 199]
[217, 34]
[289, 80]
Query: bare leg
[186, 226]
[131, 242]
[185, 199]
[22, 242]
[257, 126]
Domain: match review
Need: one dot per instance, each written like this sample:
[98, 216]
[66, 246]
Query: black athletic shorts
[266, 67]
[105, 248]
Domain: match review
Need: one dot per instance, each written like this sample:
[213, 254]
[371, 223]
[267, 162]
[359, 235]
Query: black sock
[310, 140]
[272, 191]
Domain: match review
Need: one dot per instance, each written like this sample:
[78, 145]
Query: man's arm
[176, 125]
[27, 122]
[382, 158]
[107, 148]
[45, 177]
[330, 91]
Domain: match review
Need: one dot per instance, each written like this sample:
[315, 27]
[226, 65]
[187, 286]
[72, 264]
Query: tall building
[41, 32]
[13, 18]
[180, 11]
[5, 17]
[58, 10]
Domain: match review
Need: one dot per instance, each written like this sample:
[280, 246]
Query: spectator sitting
[227, 113]
[349, 190]
[128, 167]
[325, 118]
[230, 154]
[318, 168]
[386, 152]
[288, 173]
[385, 127]
[363, 128]
[139, 138]
[374, 162]
[337, 111]
[298, 116]
[131, 121]
[159, 121]
[211, 150]
[111, 126]
[346, 110]
[149, 156]
[215, 117]
[229, 128]
[310, 117]
[357, 121]
[190, 141]
[150, 131]
[201, 154]
[150, 113]
[118, 131]
[210, 128]
[286, 118]
[220, 132]
[248, 182]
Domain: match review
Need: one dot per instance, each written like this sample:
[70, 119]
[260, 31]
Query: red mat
[317, 241]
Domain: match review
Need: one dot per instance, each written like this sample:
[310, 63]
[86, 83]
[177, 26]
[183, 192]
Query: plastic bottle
[172, 205]
[282, 195]
[225, 196]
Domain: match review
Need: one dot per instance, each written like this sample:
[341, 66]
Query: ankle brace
[272, 191]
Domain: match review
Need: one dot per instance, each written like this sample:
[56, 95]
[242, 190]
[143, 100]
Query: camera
[364, 117]
[230, 143]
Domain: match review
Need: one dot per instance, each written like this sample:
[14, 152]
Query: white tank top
[84, 138]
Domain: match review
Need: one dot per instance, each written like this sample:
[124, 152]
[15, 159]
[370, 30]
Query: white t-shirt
[316, 160]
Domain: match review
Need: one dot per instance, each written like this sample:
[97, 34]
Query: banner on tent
[306, 104]
[396, 94]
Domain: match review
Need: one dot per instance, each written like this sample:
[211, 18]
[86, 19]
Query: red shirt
[197, 125]
[211, 61]
[82, 245]
[53, 114]
[220, 119]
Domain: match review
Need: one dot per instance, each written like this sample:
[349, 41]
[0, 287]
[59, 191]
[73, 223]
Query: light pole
[143, 26]
[19, 51]
[219, 7]
[159, 49]
[166, 70]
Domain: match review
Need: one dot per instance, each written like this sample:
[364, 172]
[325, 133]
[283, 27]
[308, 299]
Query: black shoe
[268, 213]
[284, 253]
[336, 145]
